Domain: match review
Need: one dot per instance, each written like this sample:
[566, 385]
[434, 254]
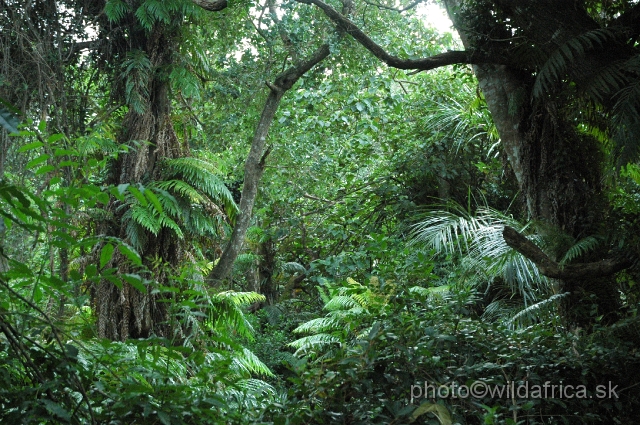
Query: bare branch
[424, 64]
[404, 9]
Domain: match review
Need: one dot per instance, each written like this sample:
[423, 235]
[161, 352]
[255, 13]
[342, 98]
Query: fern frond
[225, 315]
[241, 298]
[167, 222]
[202, 176]
[169, 203]
[247, 363]
[320, 324]
[580, 248]
[183, 189]
[136, 235]
[341, 302]
[560, 61]
[116, 10]
[257, 386]
[145, 218]
[198, 222]
[312, 343]
[136, 74]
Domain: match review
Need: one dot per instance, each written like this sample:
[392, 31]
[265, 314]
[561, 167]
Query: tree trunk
[126, 312]
[558, 170]
[254, 165]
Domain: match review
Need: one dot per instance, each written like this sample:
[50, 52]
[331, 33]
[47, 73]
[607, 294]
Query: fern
[182, 189]
[580, 248]
[136, 74]
[144, 217]
[561, 60]
[152, 11]
[312, 344]
[247, 363]
[201, 175]
[116, 10]
[342, 302]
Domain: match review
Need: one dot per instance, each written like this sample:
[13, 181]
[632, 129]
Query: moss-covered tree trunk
[126, 312]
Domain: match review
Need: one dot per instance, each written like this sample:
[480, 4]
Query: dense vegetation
[253, 213]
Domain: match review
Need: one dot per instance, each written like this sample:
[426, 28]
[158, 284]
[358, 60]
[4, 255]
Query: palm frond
[479, 241]
[532, 311]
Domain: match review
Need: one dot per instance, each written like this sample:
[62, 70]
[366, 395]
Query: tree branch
[552, 269]
[211, 5]
[423, 64]
[395, 9]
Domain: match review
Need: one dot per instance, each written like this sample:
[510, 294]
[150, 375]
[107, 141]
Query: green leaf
[54, 138]
[135, 280]
[154, 200]
[130, 253]
[106, 254]
[30, 146]
[37, 161]
[438, 410]
[44, 169]
[164, 418]
[138, 195]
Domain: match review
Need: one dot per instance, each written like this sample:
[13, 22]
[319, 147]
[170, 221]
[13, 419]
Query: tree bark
[126, 312]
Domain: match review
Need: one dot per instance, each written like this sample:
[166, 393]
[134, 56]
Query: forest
[319, 212]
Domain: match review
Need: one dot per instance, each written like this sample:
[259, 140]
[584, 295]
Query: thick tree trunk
[558, 170]
[126, 312]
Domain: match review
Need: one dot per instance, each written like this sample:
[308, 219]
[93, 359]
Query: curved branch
[551, 269]
[211, 5]
[395, 9]
[423, 64]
